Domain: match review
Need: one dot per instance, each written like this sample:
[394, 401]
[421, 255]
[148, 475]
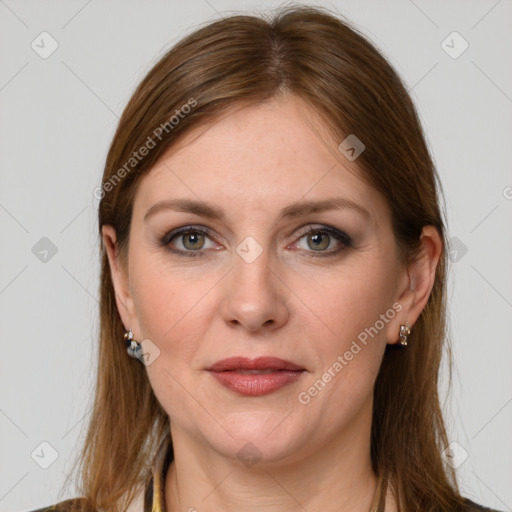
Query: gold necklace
[377, 497]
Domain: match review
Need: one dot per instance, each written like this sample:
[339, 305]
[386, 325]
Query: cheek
[156, 304]
[348, 303]
[174, 311]
[165, 301]
[351, 343]
[167, 310]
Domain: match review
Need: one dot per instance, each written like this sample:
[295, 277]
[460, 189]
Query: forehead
[258, 158]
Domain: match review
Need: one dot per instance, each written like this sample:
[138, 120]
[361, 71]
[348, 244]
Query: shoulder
[71, 505]
[475, 507]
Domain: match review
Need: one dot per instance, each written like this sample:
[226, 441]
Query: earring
[404, 333]
[132, 347]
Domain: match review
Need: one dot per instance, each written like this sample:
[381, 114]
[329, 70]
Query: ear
[417, 281]
[119, 273]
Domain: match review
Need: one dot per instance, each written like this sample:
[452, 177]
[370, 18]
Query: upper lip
[260, 363]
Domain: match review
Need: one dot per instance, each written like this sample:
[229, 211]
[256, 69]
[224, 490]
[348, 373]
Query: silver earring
[132, 347]
[404, 333]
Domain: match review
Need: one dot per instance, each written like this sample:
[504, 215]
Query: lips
[255, 377]
[261, 363]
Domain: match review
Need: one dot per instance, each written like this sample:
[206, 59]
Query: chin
[263, 437]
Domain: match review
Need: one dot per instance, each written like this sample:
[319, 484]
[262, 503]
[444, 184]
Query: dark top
[154, 498]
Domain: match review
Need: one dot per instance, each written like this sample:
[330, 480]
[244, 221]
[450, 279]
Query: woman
[274, 259]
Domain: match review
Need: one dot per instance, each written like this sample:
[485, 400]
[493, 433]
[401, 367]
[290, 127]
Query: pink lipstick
[255, 377]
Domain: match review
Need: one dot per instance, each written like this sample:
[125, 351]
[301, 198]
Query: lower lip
[256, 384]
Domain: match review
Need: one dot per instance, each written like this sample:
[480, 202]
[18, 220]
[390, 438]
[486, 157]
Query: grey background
[58, 116]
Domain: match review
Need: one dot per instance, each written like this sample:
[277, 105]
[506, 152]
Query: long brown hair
[320, 58]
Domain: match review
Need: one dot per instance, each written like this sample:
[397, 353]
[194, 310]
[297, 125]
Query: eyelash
[335, 233]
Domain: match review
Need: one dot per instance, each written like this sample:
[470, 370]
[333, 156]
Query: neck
[336, 476]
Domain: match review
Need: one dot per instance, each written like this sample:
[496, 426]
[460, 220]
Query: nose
[255, 297]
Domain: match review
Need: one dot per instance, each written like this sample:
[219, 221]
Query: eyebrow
[299, 209]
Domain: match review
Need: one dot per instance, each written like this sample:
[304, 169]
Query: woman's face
[262, 273]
